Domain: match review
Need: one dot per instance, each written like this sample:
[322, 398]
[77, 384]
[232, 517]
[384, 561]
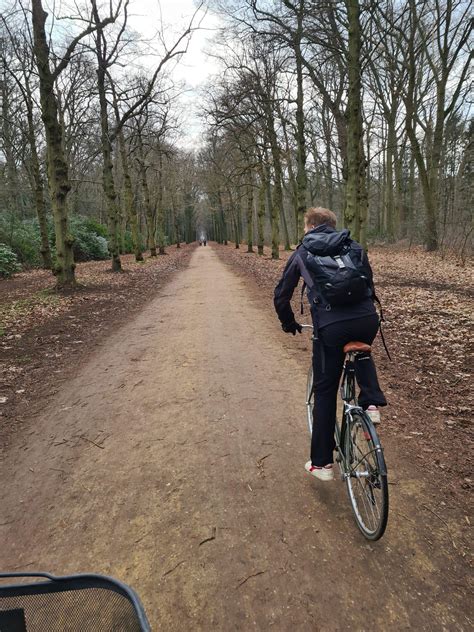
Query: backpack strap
[307, 280]
[382, 320]
[303, 288]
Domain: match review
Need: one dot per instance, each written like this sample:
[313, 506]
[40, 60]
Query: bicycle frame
[359, 454]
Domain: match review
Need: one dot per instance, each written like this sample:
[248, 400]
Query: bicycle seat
[357, 347]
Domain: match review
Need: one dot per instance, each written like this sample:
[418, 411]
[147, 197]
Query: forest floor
[428, 306]
[46, 335]
[172, 456]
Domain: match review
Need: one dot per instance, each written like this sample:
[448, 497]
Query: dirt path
[174, 461]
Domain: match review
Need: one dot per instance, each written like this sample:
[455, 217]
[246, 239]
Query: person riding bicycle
[334, 326]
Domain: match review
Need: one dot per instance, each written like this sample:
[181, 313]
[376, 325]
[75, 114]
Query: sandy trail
[174, 461]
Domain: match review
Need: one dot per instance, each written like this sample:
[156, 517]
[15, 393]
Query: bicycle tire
[367, 488]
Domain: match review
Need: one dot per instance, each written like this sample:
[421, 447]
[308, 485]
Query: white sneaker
[374, 414]
[323, 473]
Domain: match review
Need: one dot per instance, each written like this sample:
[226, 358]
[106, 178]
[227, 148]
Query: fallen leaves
[43, 333]
[428, 304]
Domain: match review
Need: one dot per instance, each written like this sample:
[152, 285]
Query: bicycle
[77, 603]
[359, 451]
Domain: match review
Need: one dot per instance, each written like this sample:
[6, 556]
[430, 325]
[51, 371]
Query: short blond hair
[316, 216]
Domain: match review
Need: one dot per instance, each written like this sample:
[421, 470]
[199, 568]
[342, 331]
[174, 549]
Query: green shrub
[8, 261]
[128, 243]
[94, 226]
[23, 237]
[89, 239]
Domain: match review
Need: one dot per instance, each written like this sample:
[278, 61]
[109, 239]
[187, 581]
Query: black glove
[292, 328]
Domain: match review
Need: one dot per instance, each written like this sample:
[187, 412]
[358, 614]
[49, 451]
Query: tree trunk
[58, 176]
[14, 203]
[188, 218]
[37, 185]
[222, 217]
[389, 185]
[160, 217]
[328, 162]
[352, 211]
[286, 234]
[150, 214]
[431, 237]
[425, 170]
[130, 211]
[110, 194]
[107, 164]
[261, 212]
[293, 181]
[250, 217]
[277, 206]
[400, 205]
[301, 177]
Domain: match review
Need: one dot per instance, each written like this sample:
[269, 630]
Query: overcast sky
[195, 68]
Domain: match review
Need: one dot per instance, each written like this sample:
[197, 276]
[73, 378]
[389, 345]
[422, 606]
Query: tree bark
[107, 150]
[353, 198]
[58, 174]
[128, 198]
[150, 211]
[301, 177]
[250, 217]
[13, 189]
[261, 208]
[277, 205]
[38, 189]
[160, 216]
[222, 217]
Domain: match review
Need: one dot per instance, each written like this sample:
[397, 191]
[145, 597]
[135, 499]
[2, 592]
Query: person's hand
[292, 328]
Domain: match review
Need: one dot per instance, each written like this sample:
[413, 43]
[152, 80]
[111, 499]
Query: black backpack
[338, 269]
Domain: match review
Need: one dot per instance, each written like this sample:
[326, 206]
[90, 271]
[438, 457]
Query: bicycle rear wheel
[366, 476]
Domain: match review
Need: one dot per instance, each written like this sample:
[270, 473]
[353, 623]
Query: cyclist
[333, 328]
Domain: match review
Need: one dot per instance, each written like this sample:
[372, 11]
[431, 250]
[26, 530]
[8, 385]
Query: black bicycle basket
[77, 603]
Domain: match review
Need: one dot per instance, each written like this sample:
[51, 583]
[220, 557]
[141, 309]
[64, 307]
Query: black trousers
[327, 370]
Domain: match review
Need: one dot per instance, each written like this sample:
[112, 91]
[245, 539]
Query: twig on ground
[102, 447]
[22, 566]
[243, 581]
[173, 569]
[210, 538]
[444, 522]
[260, 464]
[143, 536]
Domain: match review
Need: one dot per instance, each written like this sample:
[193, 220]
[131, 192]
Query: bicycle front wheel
[366, 475]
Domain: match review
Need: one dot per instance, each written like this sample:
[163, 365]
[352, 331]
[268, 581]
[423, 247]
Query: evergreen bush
[8, 261]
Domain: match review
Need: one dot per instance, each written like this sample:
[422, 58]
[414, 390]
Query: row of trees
[82, 134]
[359, 106]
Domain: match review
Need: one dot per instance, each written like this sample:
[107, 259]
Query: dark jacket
[323, 241]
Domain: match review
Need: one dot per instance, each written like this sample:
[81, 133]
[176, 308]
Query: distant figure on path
[342, 311]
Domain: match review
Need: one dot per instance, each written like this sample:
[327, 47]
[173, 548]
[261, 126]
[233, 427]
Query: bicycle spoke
[366, 485]
[362, 464]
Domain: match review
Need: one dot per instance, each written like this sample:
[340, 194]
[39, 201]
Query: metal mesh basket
[78, 603]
